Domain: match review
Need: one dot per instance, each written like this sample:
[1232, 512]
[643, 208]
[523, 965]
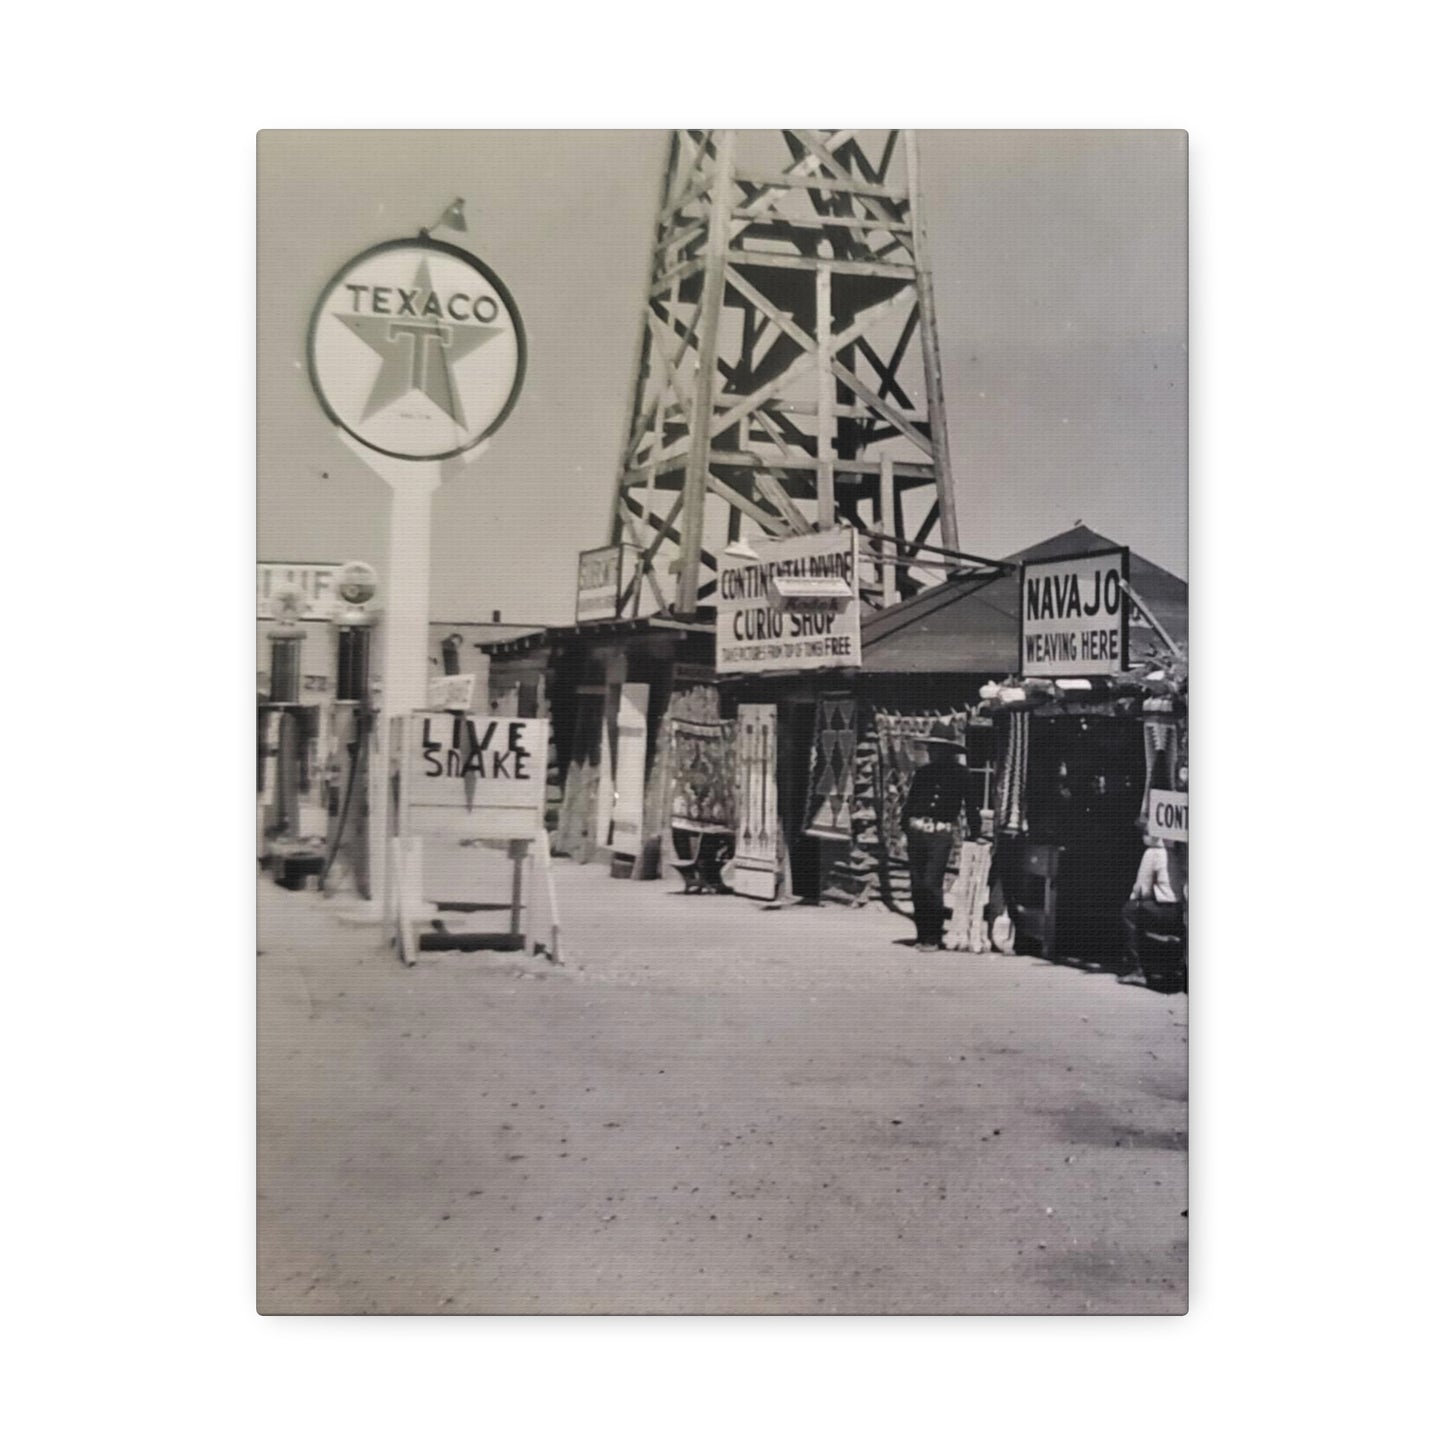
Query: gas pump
[283, 741]
[354, 726]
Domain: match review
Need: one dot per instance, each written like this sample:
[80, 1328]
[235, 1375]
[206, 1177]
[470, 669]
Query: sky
[1059, 267]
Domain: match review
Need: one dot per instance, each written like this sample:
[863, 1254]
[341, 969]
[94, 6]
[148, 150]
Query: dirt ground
[710, 1108]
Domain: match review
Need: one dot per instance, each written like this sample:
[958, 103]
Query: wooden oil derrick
[788, 378]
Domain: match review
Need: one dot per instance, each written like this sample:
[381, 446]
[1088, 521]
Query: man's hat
[940, 735]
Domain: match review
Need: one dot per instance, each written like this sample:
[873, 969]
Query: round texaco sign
[417, 350]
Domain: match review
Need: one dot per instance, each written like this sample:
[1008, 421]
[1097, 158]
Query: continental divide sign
[790, 605]
[1074, 615]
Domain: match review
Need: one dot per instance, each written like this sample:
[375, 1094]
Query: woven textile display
[830, 792]
[697, 703]
[1161, 740]
[968, 931]
[703, 757]
[866, 803]
[1013, 779]
[759, 829]
[854, 878]
[899, 757]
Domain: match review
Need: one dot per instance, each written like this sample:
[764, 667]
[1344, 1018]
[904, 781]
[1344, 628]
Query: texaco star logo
[416, 349]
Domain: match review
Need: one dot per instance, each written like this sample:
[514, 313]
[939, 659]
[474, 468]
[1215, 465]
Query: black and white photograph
[722, 722]
[610, 850]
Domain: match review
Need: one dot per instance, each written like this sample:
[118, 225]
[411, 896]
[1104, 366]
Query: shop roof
[964, 626]
[612, 627]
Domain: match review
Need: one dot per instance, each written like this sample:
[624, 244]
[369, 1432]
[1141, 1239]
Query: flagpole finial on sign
[454, 217]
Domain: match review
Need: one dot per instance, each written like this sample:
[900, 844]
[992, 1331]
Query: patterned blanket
[703, 763]
[899, 757]
[830, 794]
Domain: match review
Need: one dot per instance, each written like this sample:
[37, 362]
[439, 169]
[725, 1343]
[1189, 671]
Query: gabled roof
[962, 626]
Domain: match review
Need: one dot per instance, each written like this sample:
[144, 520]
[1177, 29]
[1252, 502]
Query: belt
[929, 825]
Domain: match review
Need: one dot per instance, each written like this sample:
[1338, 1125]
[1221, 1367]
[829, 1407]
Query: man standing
[930, 818]
[1155, 901]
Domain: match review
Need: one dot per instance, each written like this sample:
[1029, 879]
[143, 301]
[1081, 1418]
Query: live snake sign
[462, 781]
[473, 775]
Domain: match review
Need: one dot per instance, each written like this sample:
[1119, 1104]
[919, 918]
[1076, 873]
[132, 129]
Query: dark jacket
[938, 793]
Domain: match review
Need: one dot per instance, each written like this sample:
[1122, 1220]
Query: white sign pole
[407, 599]
[405, 614]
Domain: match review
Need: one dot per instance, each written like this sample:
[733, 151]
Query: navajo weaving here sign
[1074, 615]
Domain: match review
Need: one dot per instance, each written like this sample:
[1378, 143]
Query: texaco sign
[416, 349]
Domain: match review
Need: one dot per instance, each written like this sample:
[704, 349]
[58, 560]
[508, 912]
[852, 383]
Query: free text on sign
[1073, 616]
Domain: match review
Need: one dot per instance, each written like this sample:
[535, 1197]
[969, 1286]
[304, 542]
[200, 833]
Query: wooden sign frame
[465, 805]
[1078, 667]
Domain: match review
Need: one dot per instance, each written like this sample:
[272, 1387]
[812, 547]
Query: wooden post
[932, 365]
[826, 391]
[528, 851]
[385, 824]
[885, 509]
[544, 858]
[695, 481]
[640, 564]
[616, 677]
[1150, 618]
[518, 854]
